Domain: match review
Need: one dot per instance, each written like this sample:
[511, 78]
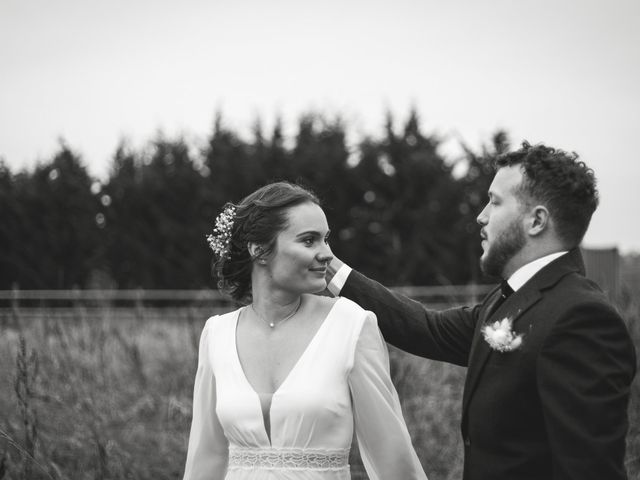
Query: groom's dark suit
[556, 407]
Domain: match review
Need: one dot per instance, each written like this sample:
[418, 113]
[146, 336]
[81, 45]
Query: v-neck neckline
[266, 413]
[295, 365]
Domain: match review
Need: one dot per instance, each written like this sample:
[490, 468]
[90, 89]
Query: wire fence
[190, 303]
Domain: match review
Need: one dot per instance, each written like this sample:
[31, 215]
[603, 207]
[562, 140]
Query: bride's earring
[261, 260]
[256, 251]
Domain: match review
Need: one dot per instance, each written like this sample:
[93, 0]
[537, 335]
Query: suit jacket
[556, 407]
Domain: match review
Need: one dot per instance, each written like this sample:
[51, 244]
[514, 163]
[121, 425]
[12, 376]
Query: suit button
[467, 442]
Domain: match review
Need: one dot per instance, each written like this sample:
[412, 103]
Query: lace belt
[288, 458]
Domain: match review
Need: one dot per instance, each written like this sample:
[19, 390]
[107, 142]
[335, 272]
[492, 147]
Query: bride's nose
[325, 255]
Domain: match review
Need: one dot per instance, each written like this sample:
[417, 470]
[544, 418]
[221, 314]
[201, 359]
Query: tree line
[398, 209]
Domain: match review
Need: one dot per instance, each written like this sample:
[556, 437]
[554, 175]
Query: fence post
[139, 304]
[15, 307]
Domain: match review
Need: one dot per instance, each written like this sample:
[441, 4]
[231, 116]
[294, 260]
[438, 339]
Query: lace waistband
[283, 458]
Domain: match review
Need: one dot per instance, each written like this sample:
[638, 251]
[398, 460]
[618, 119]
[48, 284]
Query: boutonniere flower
[500, 335]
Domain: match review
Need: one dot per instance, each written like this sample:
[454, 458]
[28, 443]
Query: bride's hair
[258, 218]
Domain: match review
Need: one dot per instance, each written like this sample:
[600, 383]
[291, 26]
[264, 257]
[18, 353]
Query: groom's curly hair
[559, 181]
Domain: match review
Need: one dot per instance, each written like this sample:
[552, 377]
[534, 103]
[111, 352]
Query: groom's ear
[538, 220]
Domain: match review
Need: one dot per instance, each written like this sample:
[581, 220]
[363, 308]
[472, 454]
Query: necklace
[273, 324]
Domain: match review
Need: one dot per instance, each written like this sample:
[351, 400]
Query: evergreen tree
[407, 208]
[58, 229]
[12, 269]
[234, 171]
[319, 161]
[396, 210]
[157, 218]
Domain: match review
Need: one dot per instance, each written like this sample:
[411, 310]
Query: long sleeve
[207, 455]
[439, 335]
[383, 438]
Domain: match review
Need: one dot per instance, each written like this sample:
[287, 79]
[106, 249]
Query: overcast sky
[566, 73]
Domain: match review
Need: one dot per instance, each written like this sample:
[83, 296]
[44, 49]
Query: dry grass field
[108, 396]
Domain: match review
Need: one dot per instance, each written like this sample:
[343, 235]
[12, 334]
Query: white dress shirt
[526, 272]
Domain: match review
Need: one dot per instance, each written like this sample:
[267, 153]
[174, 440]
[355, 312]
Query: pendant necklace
[273, 324]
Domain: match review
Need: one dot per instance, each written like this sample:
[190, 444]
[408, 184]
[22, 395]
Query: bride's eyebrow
[315, 233]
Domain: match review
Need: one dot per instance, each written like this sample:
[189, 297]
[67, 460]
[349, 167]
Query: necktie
[505, 292]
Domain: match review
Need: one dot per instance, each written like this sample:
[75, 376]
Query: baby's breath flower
[220, 239]
[500, 336]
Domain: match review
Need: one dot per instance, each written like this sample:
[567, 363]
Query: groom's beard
[503, 248]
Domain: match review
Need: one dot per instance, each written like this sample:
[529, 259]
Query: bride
[283, 380]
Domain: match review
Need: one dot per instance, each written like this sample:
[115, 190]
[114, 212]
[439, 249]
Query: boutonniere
[500, 335]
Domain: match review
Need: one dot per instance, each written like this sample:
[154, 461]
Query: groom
[550, 361]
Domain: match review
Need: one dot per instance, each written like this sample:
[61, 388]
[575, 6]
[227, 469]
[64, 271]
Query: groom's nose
[483, 218]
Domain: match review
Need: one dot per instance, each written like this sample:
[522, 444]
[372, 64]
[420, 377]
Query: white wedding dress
[341, 379]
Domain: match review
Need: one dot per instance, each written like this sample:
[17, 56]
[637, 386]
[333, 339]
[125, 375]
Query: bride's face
[299, 261]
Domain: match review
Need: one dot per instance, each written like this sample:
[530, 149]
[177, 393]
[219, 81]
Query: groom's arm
[405, 323]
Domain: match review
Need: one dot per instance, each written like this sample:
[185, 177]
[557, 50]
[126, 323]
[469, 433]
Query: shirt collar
[524, 273]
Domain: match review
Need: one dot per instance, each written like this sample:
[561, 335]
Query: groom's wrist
[337, 273]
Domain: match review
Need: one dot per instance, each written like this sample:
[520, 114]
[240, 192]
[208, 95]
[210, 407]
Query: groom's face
[502, 232]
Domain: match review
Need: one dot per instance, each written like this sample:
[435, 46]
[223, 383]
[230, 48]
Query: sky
[562, 72]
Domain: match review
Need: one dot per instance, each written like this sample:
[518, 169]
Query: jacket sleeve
[208, 450]
[439, 335]
[383, 438]
[584, 372]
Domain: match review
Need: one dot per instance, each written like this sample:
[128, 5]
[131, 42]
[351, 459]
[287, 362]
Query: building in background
[603, 267]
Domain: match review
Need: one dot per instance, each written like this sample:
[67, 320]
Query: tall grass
[109, 397]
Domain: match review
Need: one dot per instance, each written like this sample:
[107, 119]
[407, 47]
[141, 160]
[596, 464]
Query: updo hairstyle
[259, 218]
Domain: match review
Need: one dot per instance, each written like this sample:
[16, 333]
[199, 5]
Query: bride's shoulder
[319, 301]
[353, 307]
[333, 304]
[224, 319]
[342, 308]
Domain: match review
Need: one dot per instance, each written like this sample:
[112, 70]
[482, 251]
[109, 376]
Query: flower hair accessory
[500, 336]
[220, 239]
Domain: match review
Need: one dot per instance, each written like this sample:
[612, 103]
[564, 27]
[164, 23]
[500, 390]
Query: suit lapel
[515, 307]
[480, 350]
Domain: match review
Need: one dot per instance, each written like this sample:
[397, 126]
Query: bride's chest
[267, 360]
